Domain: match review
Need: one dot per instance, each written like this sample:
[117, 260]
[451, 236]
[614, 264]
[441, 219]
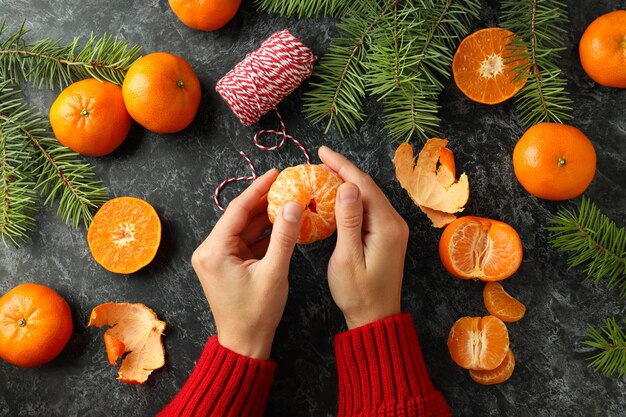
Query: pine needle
[18, 198]
[305, 8]
[541, 26]
[398, 50]
[610, 340]
[54, 170]
[52, 63]
[338, 87]
[595, 240]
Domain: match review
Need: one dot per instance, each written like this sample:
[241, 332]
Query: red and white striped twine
[258, 83]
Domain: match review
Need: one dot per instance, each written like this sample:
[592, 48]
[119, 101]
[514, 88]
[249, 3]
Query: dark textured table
[178, 173]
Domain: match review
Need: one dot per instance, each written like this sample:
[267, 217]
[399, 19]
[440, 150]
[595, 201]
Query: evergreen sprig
[305, 8]
[18, 198]
[397, 50]
[53, 63]
[610, 341]
[541, 26]
[595, 240]
[33, 160]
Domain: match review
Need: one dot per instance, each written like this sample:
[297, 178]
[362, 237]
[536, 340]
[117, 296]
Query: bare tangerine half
[483, 66]
[478, 343]
[476, 247]
[315, 189]
[124, 235]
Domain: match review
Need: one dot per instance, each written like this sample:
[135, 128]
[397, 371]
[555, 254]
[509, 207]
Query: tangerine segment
[500, 304]
[498, 375]
[483, 66]
[476, 247]
[478, 343]
[124, 235]
[314, 188]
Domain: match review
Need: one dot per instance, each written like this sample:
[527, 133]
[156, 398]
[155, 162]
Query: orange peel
[137, 329]
[431, 181]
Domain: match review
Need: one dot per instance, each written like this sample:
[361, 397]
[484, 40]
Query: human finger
[283, 239]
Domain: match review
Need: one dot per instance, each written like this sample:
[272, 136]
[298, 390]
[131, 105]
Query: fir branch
[18, 198]
[338, 88]
[53, 63]
[305, 8]
[407, 68]
[541, 26]
[597, 242]
[59, 173]
[610, 340]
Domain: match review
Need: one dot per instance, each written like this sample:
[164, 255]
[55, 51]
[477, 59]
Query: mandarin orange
[314, 188]
[205, 14]
[124, 235]
[476, 247]
[162, 92]
[554, 161]
[602, 49]
[35, 325]
[483, 66]
[478, 343]
[90, 117]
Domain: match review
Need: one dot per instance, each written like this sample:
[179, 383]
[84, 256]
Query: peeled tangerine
[478, 343]
[431, 182]
[134, 328]
[476, 247]
[314, 188]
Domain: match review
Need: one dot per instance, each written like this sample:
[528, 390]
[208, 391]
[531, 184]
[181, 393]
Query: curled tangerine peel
[477, 247]
[315, 189]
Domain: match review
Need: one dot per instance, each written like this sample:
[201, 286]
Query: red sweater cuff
[382, 372]
[223, 384]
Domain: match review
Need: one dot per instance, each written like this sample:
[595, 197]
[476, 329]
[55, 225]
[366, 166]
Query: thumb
[349, 215]
[285, 233]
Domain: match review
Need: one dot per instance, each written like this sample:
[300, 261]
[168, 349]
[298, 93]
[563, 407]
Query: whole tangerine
[315, 189]
[554, 161]
[35, 325]
[602, 49]
[205, 14]
[162, 92]
[90, 117]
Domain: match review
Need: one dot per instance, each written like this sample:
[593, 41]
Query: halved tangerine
[124, 235]
[500, 304]
[502, 373]
[314, 188]
[484, 63]
[476, 247]
[478, 343]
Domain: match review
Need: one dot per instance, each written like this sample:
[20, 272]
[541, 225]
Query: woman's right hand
[366, 269]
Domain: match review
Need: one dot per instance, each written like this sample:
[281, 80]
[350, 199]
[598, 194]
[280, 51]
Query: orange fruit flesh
[500, 304]
[114, 347]
[483, 66]
[315, 189]
[475, 247]
[124, 235]
[496, 376]
[478, 343]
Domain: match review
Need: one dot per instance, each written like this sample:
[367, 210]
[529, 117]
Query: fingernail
[348, 194]
[292, 212]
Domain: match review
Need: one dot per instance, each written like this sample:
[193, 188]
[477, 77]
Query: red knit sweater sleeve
[382, 372]
[223, 384]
